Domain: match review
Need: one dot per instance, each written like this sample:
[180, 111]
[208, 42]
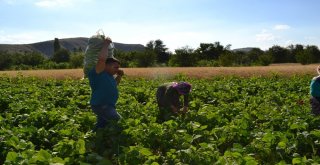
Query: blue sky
[178, 23]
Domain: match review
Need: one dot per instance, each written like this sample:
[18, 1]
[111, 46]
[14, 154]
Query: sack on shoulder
[93, 49]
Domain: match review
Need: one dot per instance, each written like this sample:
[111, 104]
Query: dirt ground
[167, 72]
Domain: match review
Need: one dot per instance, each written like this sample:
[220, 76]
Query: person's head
[183, 88]
[112, 65]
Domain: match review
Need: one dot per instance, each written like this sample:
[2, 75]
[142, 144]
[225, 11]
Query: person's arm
[103, 56]
[119, 76]
[174, 109]
[185, 103]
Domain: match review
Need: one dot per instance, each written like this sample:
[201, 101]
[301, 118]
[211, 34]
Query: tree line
[156, 55]
[61, 58]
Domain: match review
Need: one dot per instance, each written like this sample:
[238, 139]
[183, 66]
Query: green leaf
[11, 156]
[268, 137]
[104, 162]
[57, 161]
[181, 130]
[81, 148]
[196, 137]
[236, 154]
[145, 151]
[315, 133]
[282, 145]
[282, 162]
[204, 145]
[42, 156]
[296, 160]
[250, 160]
[14, 142]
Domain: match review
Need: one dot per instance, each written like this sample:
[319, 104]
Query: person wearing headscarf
[168, 99]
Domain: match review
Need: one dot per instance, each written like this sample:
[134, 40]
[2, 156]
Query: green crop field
[232, 120]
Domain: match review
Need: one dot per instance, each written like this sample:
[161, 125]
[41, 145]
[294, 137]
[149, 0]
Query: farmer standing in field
[168, 99]
[315, 94]
[104, 78]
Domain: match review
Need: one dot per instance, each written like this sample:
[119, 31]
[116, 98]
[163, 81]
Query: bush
[227, 59]
[53, 65]
[62, 55]
[208, 63]
[76, 60]
[265, 60]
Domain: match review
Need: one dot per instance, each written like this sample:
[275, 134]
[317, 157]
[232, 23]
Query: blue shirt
[104, 88]
[315, 87]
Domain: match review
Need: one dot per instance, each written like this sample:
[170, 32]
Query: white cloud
[265, 36]
[281, 27]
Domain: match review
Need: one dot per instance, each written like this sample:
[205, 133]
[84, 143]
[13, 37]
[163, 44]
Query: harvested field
[167, 72]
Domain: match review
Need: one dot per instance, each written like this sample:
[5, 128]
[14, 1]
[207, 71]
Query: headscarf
[182, 87]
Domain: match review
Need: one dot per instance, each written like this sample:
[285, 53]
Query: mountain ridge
[46, 47]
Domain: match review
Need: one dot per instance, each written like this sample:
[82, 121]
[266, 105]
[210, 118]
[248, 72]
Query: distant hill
[46, 47]
[247, 49]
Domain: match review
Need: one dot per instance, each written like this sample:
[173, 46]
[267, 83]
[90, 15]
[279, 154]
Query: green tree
[253, 56]
[183, 57]
[314, 52]
[145, 58]
[62, 55]
[265, 59]
[310, 54]
[161, 51]
[56, 45]
[227, 59]
[76, 59]
[124, 57]
[210, 51]
[293, 51]
[240, 57]
[279, 54]
[157, 46]
[150, 45]
[33, 59]
[6, 61]
[303, 58]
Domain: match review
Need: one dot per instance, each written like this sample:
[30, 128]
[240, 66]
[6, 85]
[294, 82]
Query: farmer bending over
[168, 99]
[104, 87]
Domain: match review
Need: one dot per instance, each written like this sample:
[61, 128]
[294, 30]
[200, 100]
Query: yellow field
[195, 72]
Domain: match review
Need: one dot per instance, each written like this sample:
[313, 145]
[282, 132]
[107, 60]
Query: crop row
[231, 120]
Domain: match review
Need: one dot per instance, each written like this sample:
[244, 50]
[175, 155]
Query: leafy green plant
[231, 120]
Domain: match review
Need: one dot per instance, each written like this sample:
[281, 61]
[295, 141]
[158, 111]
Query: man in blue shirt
[103, 79]
[315, 94]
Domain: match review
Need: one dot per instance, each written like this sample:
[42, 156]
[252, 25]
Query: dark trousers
[315, 105]
[105, 114]
[165, 112]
